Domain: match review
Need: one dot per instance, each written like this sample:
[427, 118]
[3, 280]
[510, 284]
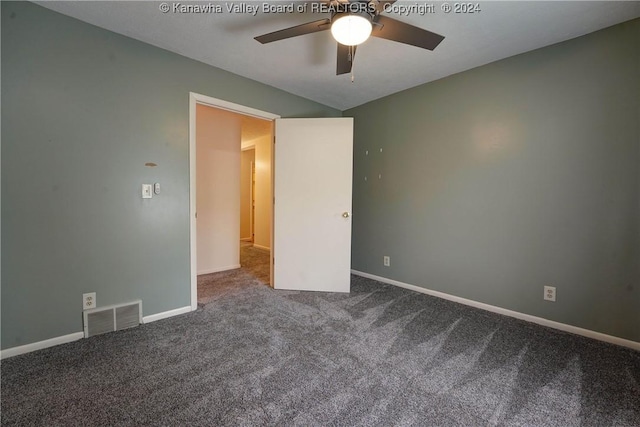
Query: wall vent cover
[111, 318]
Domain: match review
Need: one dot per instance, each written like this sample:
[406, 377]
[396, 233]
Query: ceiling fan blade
[345, 59]
[298, 30]
[392, 29]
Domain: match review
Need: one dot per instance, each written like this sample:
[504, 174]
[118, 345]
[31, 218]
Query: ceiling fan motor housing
[361, 8]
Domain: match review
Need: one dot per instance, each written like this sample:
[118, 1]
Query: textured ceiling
[253, 128]
[306, 65]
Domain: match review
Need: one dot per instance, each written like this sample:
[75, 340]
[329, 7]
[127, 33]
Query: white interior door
[312, 213]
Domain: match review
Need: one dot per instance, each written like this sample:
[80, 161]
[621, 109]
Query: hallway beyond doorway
[254, 270]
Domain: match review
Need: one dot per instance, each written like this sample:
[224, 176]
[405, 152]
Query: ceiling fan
[352, 22]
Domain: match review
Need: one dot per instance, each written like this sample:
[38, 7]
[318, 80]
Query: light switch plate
[147, 191]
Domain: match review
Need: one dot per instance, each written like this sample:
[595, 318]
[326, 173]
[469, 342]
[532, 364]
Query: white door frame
[253, 165]
[196, 98]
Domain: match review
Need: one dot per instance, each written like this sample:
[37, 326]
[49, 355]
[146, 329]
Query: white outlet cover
[549, 293]
[89, 300]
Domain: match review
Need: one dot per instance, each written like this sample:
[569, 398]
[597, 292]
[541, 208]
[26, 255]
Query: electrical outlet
[386, 261]
[89, 300]
[550, 293]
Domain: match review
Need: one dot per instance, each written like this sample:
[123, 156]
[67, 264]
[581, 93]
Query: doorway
[247, 114]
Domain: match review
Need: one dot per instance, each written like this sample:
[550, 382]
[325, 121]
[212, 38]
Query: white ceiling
[253, 128]
[306, 65]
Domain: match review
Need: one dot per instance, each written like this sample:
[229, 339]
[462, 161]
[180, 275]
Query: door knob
[345, 214]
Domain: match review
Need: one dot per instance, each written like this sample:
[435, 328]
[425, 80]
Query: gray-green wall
[83, 110]
[511, 176]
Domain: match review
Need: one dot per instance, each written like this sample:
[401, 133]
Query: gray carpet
[380, 356]
[254, 271]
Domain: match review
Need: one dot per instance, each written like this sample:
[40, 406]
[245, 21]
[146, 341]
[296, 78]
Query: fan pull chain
[353, 77]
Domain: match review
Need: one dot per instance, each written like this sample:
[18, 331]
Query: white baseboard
[527, 317]
[166, 314]
[266, 248]
[28, 348]
[218, 270]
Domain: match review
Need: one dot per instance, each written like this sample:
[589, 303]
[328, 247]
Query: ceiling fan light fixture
[351, 29]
